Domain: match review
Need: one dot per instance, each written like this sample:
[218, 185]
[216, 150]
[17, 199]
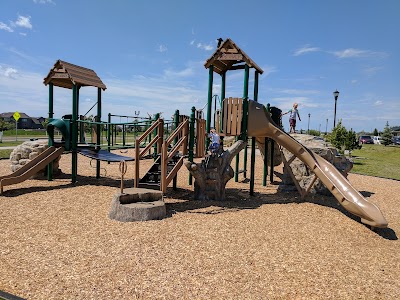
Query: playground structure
[237, 117]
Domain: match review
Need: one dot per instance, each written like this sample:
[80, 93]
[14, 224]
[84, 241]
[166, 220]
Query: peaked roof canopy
[65, 75]
[228, 56]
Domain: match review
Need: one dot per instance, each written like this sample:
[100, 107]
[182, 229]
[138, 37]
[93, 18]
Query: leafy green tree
[386, 135]
[45, 123]
[5, 125]
[342, 139]
[376, 133]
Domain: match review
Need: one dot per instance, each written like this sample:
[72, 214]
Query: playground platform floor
[57, 242]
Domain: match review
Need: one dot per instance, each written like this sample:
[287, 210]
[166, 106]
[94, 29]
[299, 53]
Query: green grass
[25, 132]
[377, 160]
[10, 143]
[5, 153]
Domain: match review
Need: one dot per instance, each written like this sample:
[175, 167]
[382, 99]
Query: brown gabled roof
[10, 115]
[65, 75]
[229, 55]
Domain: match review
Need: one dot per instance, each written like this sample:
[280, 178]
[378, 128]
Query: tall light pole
[336, 95]
[326, 128]
[308, 129]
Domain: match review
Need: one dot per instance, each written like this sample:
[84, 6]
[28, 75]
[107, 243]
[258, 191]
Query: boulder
[28, 151]
[303, 174]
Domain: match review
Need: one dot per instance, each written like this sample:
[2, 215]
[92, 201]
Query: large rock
[137, 204]
[303, 174]
[28, 151]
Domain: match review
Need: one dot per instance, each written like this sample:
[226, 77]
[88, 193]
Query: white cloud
[183, 73]
[305, 49]
[24, 22]
[268, 70]
[207, 47]
[44, 1]
[372, 70]
[162, 48]
[378, 103]
[5, 27]
[10, 72]
[352, 52]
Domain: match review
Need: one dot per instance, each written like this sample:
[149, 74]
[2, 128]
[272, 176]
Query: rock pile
[303, 174]
[28, 151]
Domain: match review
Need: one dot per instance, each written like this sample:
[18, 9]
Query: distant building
[25, 121]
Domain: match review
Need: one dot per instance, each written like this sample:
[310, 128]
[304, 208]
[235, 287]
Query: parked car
[377, 140]
[396, 140]
[365, 139]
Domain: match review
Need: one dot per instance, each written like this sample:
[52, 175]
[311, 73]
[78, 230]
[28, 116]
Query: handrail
[159, 124]
[182, 129]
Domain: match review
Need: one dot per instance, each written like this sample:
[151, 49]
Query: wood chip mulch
[57, 242]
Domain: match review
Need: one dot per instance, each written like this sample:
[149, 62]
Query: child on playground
[292, 117]
[214, 146]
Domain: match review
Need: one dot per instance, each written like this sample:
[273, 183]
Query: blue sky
[151, 54]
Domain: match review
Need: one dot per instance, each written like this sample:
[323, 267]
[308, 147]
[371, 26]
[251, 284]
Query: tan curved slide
[31, 168]
[260, 124]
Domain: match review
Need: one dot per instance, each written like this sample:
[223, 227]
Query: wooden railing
[182, 131]
[159, 125]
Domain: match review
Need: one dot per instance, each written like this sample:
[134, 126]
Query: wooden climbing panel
[231, 116]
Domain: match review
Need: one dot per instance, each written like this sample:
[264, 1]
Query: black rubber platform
[104, 155]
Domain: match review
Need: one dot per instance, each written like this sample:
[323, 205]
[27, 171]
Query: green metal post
[223, 89]
[155, 147]
[50, 142]
[244, 120]
[266, 141]
[74, 132]
[265, 171]
[209, 102]
[176, 124]
[271, 172]
[98, 128]
[123, 134]
[191, 139]
[109, 132]
[253, 141]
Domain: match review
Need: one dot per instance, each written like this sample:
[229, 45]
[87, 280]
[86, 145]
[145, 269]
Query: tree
[376, 133]
[342, 139]
[45, 123]
[386, 135]
[5, 125]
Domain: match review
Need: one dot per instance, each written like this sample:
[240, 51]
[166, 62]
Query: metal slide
[31, 168]
[260, 124]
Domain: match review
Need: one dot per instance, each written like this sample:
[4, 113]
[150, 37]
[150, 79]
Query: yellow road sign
[16, 116]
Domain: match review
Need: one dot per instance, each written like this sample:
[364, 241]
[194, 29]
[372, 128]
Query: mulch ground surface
[57, 242]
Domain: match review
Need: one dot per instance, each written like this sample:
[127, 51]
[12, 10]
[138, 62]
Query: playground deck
[58, 243]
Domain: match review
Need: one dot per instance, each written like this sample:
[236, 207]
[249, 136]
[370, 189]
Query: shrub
[342, 139]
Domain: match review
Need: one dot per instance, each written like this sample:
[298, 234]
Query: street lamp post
[308, 129]
[336, 95]
[326, 128]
